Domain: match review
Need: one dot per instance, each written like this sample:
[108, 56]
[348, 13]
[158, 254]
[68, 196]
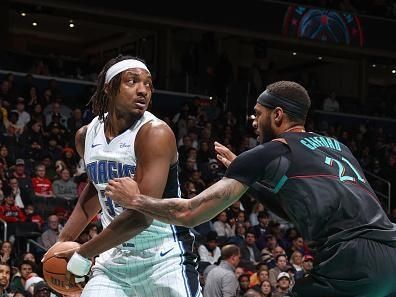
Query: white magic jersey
[105, 161]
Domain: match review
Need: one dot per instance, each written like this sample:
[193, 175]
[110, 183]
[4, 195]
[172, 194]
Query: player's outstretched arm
[178, 211]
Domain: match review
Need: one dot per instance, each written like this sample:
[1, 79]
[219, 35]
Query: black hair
[100, 100]
[292, 91]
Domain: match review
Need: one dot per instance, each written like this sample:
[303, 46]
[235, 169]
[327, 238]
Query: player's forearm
[194, 211]
[123, 228]
[85, 210]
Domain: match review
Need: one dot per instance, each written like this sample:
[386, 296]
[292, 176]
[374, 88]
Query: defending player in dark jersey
[311, 180]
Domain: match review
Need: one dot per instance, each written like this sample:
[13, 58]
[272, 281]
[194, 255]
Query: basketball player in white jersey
[138, 256]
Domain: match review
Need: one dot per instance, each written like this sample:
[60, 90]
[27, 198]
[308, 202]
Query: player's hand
[71, 279]
[45, 255]
[122, 190]
[224, 155]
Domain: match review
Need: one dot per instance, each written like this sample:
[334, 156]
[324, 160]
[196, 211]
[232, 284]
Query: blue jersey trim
[280, 184]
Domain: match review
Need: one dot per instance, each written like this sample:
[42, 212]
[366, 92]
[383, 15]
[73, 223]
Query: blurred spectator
[222, 228]
[42, 186]
[307, 264]
[281, 266]
[252, 293]
[41, 289]
[31, 281]
[244, 281]
[5, 157]
[240, 234]
[32, 98]
[296, 262]
[266, 289]
[76, 121]
[221, 280]
[65, 187]
[50, 236]
[209, 252]
[283, 284]
[330, 103]
[260, 230]
[5, 275]
[19, 280]
[9, 212]
[7, 254]
[23, 116]
[250, 254]
[24, 180]
[22, 197]
[253, 216]
[33, 217]
[71, 159]
[37, 114]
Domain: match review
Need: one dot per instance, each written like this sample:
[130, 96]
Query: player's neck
[116, 125]
[295, 128]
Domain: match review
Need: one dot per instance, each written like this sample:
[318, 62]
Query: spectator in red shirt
[42, 186]
[9, 211]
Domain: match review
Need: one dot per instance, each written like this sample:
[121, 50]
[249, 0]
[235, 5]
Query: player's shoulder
[81, 135]
[156, 128]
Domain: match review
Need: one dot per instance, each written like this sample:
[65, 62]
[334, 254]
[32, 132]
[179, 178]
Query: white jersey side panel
[105, 161]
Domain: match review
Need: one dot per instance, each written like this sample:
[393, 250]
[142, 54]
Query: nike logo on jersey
[93, 145]
[164, 253]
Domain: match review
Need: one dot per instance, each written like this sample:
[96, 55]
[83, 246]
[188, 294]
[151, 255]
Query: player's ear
[278, 115]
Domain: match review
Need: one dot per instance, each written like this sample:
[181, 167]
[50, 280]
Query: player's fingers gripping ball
[55, 269]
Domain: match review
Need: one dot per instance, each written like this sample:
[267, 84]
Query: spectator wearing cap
[250, 254]
[42, 186]
[31, 281]
[71, 159]
[221, 280]
[5, 275]
[23, 116]
[307, 264]
[24, 180]
[281, 266]
[209, 252]
[283, 284]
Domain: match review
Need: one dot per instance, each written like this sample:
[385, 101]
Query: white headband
[124, 65]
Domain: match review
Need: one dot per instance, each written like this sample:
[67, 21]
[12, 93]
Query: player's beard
[268, 133]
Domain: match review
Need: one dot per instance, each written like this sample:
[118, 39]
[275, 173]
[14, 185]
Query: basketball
[54, 269]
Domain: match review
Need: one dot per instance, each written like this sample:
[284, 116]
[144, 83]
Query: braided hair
[100, 100]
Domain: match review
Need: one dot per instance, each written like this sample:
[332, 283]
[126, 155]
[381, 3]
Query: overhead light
[320, 58]
[34, 24]
[393, 71]
[71, 21]
[23, 13]
[252, 117]
[71, 25]
[374, 65]
[294, 54]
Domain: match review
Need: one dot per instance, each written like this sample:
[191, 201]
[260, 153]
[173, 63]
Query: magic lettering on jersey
[100, 172]
[321, 141]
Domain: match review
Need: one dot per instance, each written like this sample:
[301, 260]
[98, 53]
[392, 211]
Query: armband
[78, 265]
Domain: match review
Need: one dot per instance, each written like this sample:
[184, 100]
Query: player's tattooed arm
[178, 211]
